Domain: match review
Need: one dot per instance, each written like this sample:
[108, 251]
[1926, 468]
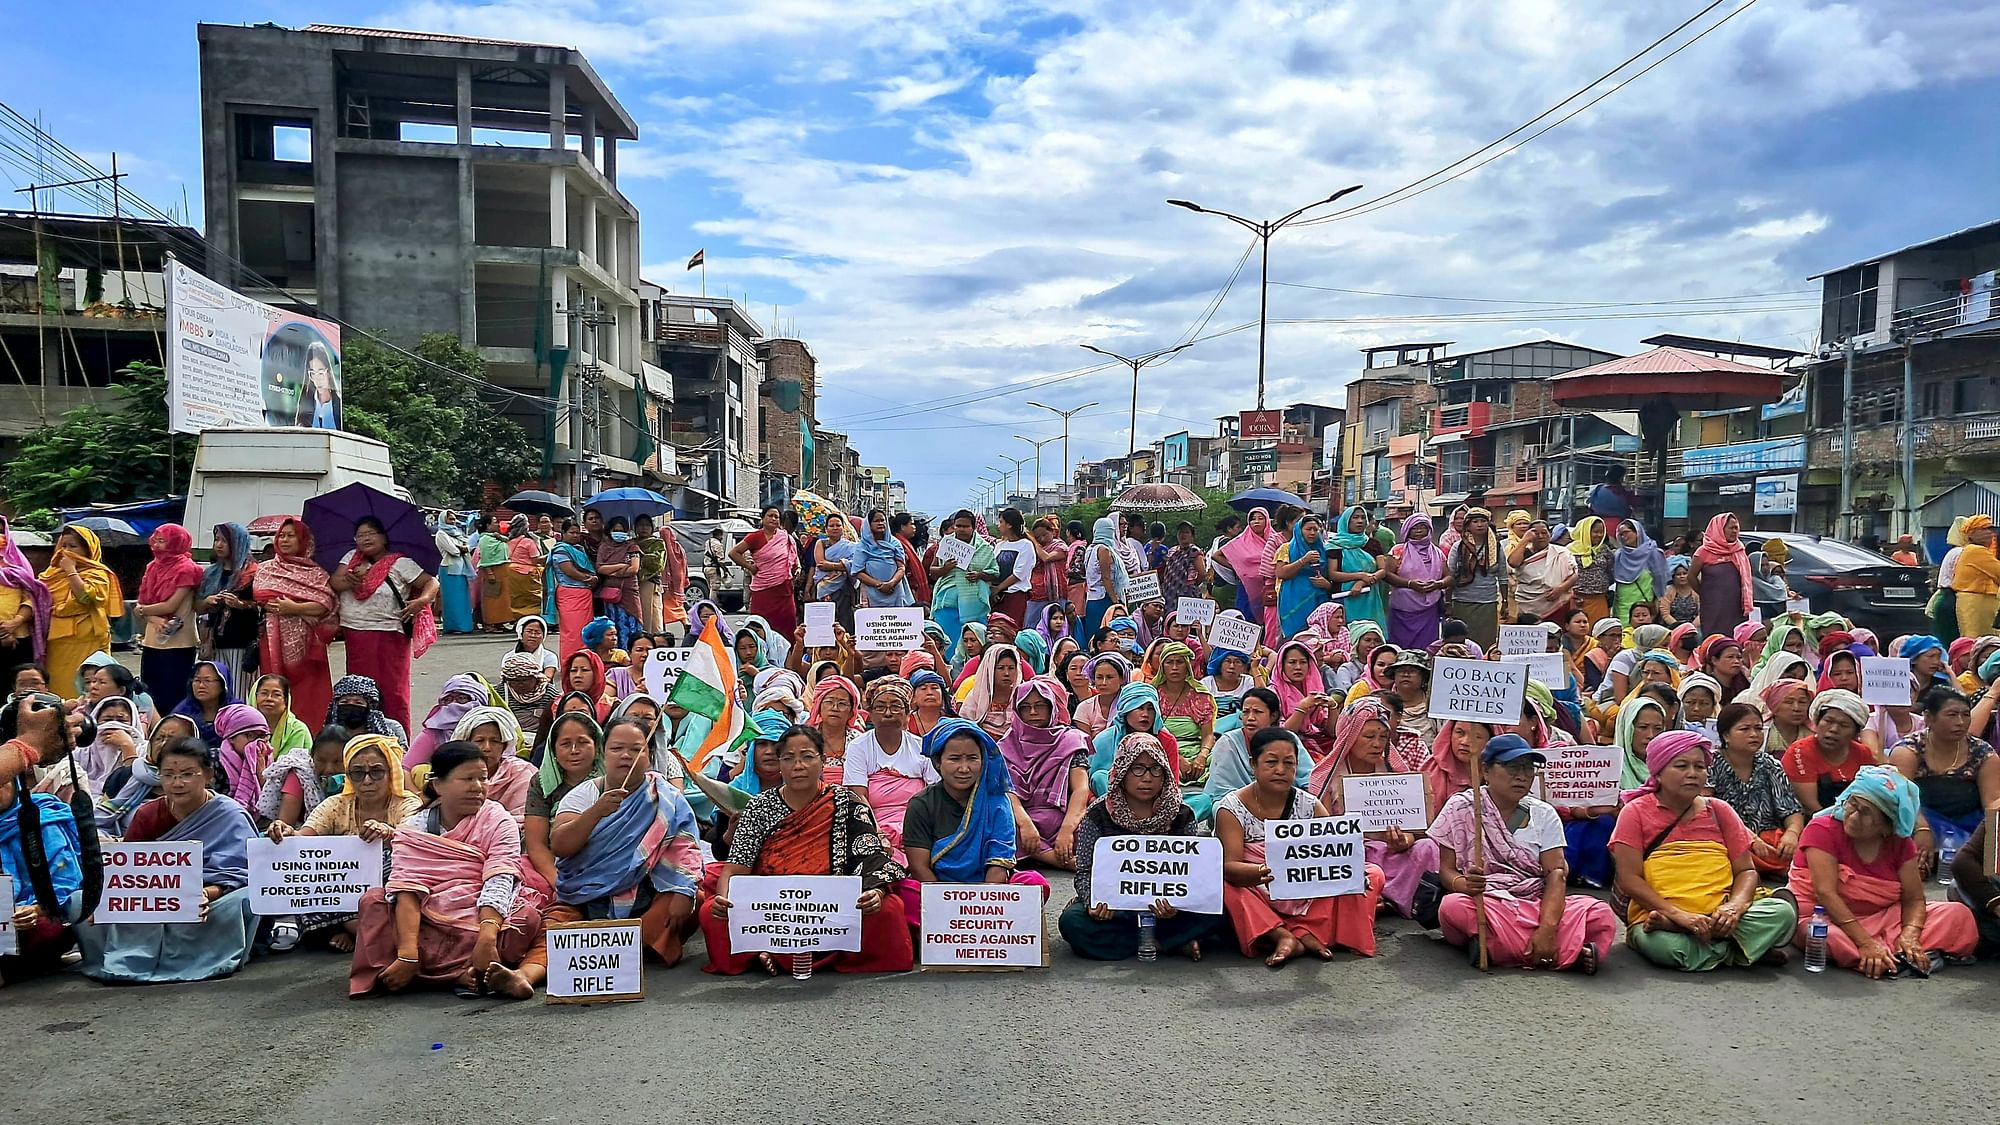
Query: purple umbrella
[332, 517]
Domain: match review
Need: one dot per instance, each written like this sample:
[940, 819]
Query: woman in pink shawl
[886, 766]
[1416, 570]
[1048, 761]
[1361, 747]
[25, 605]
[167, 610]
[988, 701]
[1302, 697]
[455, 912]
[1720, 572]
[246, 749]
[298, 605]
[1249, 555]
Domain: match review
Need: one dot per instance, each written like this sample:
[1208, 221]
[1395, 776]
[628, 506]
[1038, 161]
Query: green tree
[95, 455]
[444, 439]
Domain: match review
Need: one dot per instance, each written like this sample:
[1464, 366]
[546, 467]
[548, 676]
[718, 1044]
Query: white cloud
[904, 92]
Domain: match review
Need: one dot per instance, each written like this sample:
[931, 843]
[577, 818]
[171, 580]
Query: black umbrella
[538, 503]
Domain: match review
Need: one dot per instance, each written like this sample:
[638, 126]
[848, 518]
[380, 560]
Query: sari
[833, 835]
[448, 871]
[620, 596]
[170, 952]
[79, 623]
[957, 601]
[879, 557]
[651, 838]
[1039, 759]
[524, 573]
[1514, 886]
[15, 572]
[1414, 615]
[1537, 578]
[1403, 871]
[568, 601]
[1356, 558]
[1695, 872]
[777, 558]
[1298, 598]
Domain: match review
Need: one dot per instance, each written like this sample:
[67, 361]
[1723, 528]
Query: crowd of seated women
[1756, 785]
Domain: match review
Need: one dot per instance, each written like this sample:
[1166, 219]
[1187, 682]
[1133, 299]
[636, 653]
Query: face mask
[619, 537]
[353, 718]
[334, 784]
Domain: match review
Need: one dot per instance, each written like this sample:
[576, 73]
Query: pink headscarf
[1661, 752]
[245, 767]
[1249, 554]
[15, 571]
[828, 686]
[1329, 620]
[912, 661]
[979, 702]
[1716, 549]
[172, 567]
[1328, 767]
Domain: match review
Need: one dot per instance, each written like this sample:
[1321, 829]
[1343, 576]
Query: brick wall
[786, 361]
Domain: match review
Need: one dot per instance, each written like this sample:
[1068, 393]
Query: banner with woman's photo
[233, 362]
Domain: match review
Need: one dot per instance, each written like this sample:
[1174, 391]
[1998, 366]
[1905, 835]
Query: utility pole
[1069, 467]
[1038, 461]
[1909, 521]
[1846, 528]
[1135, 363]
[1263, 230]
[1018, 462]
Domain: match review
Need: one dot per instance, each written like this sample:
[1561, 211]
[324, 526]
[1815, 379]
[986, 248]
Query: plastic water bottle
[1149, 937]
[1945, 855]
[1816, 941]
[802, 966]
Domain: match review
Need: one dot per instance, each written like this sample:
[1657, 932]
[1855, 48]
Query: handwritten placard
[1142, 588]
[1545, 668]
[157, 882]
[312, 874]
[1233, 634]
[10, 942]
[889, 630]
[794, 913]
[1386, 800]
[663, 669]
[1133, 872]
[1800, 606]
[981, 926]
[1319, 857]
[819, 624]
[1580, 777]
[952, 549]
[1885, 681]
[1523, 640]
[1194, 611]
[595, 962]
[1478, 691]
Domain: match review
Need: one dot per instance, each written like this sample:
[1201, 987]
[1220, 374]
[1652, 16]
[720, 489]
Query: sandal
[1193, 950]
[1586, 959]
[284, 935]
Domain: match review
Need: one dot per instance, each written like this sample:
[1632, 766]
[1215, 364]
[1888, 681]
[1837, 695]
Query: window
[1848, 303]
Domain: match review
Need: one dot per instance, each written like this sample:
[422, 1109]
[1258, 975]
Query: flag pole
[704, 275]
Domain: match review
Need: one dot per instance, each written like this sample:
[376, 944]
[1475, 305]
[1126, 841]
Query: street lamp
[1135, 363]
[1018, 462]
[1038, 461]
[1263, 230]
[1069, 467]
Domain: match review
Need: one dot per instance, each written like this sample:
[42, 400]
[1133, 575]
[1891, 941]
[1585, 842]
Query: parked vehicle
[694, 542]
[1874, 591]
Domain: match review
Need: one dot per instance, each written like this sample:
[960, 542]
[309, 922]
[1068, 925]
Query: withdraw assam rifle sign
[1133, 872]
[1318, 857]
[591, 962]
[1478, 691]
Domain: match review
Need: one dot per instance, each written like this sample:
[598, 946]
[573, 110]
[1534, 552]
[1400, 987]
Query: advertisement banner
[1777, 496]
[237, 363]
[1260, 424]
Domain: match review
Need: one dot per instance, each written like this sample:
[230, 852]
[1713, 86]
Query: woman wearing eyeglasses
[370, 805]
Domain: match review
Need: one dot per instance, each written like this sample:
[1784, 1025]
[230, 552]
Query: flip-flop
[1586, 960]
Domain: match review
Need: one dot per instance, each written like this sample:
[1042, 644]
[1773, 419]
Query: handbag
[1424, 906]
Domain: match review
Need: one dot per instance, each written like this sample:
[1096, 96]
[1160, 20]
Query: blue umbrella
[1265, 498]
[628, 504]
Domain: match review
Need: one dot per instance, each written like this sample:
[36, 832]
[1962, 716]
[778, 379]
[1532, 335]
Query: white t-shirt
[1624, 660]
[381, 613]
[865, 758]
[1024, 563]
[579, 799]
[1543, 831]
[1243, 684]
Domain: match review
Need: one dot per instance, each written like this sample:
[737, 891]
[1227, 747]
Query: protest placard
[1479, 691]
[982, 926]
[953, 549]
[595, 962]
[10, 943]
[1318, 857]
[1800, 606]
[1132, 872]
[1194, 611]
[1231, 633]
[663, 669]
[1885, 681]
[1142, 588]
[1756, 616]
[1523, 640]
[1579, 777]
[1386, 800]
[889, 630]
[312, 874]
[157, 882]
[1545, 668]
[819, 624]
[794, 913]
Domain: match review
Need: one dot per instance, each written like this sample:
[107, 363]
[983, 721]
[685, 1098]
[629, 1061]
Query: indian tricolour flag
[707, 687]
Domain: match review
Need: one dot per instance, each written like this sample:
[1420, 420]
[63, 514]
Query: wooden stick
[1479, 862]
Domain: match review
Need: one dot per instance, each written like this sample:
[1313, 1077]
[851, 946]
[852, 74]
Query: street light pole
[1135, 363]
[1069, 467]
[1263, 230]
[1018, 462]
[1038, 461]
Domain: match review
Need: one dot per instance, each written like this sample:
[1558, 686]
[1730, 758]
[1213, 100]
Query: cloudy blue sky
[946, 197]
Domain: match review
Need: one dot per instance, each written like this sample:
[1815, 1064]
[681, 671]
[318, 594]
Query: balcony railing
[1941, 316]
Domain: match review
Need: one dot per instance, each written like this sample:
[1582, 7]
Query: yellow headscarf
[1580, 538]
[392, 756]
[90, 567]
[1955, 537]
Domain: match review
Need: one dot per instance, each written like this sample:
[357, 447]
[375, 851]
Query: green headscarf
[551, 776]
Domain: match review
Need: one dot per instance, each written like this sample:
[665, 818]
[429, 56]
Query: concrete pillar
[558, 208]
[558, 111]
[464, 103]
[589, 132]
[610, 165]
[589, 247]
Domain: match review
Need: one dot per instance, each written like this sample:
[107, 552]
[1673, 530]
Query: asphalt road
[1413, 1034]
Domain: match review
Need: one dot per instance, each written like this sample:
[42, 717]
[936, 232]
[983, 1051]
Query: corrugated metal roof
[423, 36]
[1666, 361]
[1976, 228]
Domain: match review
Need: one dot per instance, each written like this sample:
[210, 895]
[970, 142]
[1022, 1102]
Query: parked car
[694, 542]
[1873, 591]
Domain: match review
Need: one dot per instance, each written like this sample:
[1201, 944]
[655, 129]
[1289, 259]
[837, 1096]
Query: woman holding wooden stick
[1514, 842]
